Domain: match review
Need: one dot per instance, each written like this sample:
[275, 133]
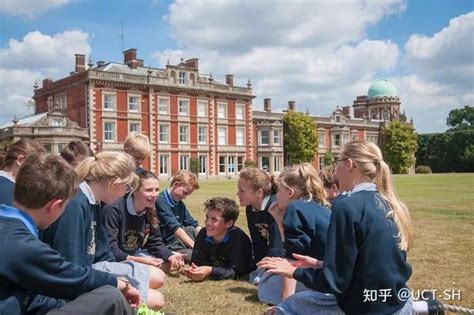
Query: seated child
[15, 156]
[138, 147]
[79, 234]
[133, 228]
[44, 185]
[331, 186]
[255, 191]
[222, 250]
[178, 227]
[75, 152]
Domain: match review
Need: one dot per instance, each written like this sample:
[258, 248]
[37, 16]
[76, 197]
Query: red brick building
[186, 114]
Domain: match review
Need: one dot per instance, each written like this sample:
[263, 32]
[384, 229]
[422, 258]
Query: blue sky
[319, 53]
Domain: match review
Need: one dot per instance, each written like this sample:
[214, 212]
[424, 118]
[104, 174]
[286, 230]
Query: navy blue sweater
[305, 225]
[6, 191]
[172, 215]
[230, 259]
[128, 233]
[78, 235]
[362, 253]
[32, 267]
[266, 239]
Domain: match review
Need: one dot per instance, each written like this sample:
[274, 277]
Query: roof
[380, 88]
[25, 121]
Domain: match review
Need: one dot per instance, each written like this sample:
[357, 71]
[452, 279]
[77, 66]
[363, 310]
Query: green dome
[381, 88]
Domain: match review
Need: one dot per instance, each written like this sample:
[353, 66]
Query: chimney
[192, 63]
[267, 105]
[229, 79]
[291, 105]
[47, 82]
[129, 55]
[80, 63]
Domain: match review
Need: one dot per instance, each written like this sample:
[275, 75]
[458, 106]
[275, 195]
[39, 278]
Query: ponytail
[259, 179]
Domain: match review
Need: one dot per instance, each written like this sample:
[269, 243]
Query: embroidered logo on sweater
[91, 247]
[131, 240]
[262, 229]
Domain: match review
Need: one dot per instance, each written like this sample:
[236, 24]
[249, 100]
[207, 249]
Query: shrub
[250, 163]
[194, 166]
[423, 169]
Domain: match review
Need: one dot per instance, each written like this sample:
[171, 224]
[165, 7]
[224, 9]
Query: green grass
[442, 210]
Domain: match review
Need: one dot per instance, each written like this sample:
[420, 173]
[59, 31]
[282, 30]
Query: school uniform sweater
[343, 195]
[30, 267]
[266, 239]
[78, 234]
[127, 232]
[172, 215]
[7, 186]
[361, 255]
[305, 225]
[229, 259]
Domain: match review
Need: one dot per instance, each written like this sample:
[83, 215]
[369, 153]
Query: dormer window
[182, 77]
[338, 119]
[57, 123]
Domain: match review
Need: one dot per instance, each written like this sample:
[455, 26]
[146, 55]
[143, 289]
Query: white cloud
[29, 8]
[32, 59]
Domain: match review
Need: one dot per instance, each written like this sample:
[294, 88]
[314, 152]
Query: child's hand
[177, 261]
[198, 273]
[152, 261]
[277, 265]
[303, 261]
[133, 296]
[276, 212]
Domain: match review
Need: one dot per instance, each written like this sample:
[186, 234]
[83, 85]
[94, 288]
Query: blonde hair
[368, 160]
[185, 177]
[304, 179]
[258, 179]
[137, 142]
[108, 166]
[328, 176]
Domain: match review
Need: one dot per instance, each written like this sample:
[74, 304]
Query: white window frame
[219, 164]
[114, 101]
[321, 135]
[137, 97]
[167, 133]
[239, 112]
[182, 77]
[260, 138]
[185, 158]
[180, 107]
[277, 164]
[222, 139]
[164, 166]
[186, 134]
[240, 163]
[221, 111]
[112, 132]
[337, 140]
[202, 109]
[261, 163]
[134, 123]
[239, 139]
[202, 137]
[231, 166]
[162, 109]
[202, 166]
[277, 137]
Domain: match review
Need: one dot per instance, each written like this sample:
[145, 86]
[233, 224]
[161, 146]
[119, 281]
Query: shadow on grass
[250, 293]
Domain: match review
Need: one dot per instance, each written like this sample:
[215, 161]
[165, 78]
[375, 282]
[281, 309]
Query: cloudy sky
[319, 53]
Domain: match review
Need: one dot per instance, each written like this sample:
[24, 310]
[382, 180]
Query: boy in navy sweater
[137, 145]
[221, 251]
[178, 227]
[31, 268]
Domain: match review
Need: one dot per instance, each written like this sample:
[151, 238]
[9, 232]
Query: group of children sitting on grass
[318, 242]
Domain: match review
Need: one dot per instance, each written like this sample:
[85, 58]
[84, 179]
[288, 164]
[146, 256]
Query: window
[109, 130]
[264, 136]
[239, 112]
[221, 111]
[338, 119]
[183, 134]
[337, 140]
[373, 138]
[183, 108]
[321, 163]
[163, 106]
[240, 163]
[321, 136]
[163, 165]
[47, 147]
[202, 135]
[345, 138]
[57, 123]
[134, 127]
[183, 162]
[276, 137]
[182, 77]
[202, 109]
[221, 164]
[61, 146]
[265, 163]
[164, 133]
[133, 103]
[231, 164]
[239, 136]
[222, 136]
[277, 163]
[202, 164]
[109, 101]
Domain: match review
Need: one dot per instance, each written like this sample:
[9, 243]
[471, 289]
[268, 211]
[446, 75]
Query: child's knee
[157, 278]
[155, 299]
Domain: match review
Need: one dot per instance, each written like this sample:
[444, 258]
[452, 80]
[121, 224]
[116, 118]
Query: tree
[301, 139]
[250, 163]
[328, 159]
[400, 146]
[194, 166]
[461, 118]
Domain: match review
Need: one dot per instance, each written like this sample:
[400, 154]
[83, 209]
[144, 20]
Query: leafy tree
[400, 146]
[461, 119]
[300, 139]
[250, 163]
[194, 166]
[328, 159]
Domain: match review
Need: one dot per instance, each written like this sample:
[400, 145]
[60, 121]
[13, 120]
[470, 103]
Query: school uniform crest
[92, 246]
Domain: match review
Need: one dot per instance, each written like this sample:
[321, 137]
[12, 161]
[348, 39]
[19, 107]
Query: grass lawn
[442, 256]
